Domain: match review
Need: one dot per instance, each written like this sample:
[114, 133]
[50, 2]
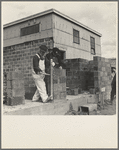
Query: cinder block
[15, 101]
[97, 58]
[96, 73]
[75, 65]
[96, 83]
[17, 83]
[57, 72]
[32, 89]
[68, 82]
[69, 73]
[91, 107]
[29, 96]
[59, 88]
[15, 92]
[63, 95]
[75, 91]
[56, 95]
[4, 76]
[5, 84]
[63, 72]
[79, 90]
[15, 75]
[62, 79]
[55, 87]
[74, 60]
[92, 90]
[63, 85]
[55, 80]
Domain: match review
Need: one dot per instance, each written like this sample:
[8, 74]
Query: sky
[100, 16]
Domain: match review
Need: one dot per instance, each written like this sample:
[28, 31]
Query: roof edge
[27, 18]
[51, 11]
[75, 21]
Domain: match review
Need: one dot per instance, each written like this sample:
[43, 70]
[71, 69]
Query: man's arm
[61, 63]
[36, 64]
[114, 80]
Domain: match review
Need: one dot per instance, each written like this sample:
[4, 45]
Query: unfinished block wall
[58, 83]
[4, 87]
[102, 76]
[21, 57]
[86, 75]
[77, 74]
[14, 88]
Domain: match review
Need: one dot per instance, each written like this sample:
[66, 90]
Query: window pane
[92, 40]
[75, 36]
[75, 33]
[30, 30]
[92, 51]
[76, 40]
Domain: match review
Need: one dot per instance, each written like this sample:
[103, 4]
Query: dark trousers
[113, 93]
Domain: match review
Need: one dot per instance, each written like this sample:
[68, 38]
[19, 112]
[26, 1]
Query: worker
[55, 55]
[113, 85]
[113, 91]
[57, 62]
[38, 75]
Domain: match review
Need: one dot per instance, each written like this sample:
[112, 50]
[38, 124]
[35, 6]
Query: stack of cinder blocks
[102, 77]
[91, 76]
[15, 88]
[58, 81]
[30, 88]
[59, 84]
[4, 87]
[77, 74]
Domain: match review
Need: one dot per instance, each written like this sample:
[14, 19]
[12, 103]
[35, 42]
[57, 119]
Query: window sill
[93, 53]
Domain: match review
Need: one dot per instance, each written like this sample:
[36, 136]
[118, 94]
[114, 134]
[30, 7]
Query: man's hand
[60, 67]
[39, 72]
[53, 64]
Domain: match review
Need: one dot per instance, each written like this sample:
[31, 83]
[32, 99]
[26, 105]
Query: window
[30, 30]
[92, 42]
[75, 36]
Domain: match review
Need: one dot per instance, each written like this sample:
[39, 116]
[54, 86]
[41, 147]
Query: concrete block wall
[77, 73]
[58, 83]
[15, 88]
[89, 75]
[21, 57]
[4, 87]
[102, 76]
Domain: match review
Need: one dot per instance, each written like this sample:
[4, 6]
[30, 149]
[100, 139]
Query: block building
[21, 40]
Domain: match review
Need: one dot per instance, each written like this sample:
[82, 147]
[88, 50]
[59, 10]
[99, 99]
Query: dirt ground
[108, 109]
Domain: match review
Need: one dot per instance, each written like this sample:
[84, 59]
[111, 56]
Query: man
[38, 75]
[57, 62]
[55, 55]
[113, 84]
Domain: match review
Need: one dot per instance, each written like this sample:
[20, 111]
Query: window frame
[28, 31]
[92, 45]
[76, 37]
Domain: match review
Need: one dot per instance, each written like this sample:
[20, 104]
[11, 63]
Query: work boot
[38, 100]
[50, 98]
